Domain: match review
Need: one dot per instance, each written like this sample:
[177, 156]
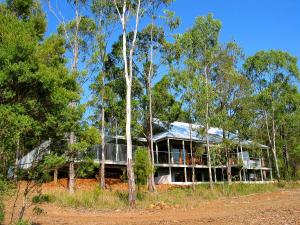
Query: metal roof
[181, 130]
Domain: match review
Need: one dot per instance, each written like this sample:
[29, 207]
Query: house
[174, 148]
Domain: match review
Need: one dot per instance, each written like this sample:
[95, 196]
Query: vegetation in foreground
[176, 196]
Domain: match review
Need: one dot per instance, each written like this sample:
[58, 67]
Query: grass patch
[175, 196]
[6, 189]
[95, 199]
[1, 212]
[42, 198]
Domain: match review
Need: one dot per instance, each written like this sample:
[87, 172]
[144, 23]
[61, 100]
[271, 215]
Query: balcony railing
[177, 158]
[112, 152]
[163, 157]
[117, 153]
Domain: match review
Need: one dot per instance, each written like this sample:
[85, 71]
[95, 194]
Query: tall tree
[268, 71]
[104, 16]
[76, 33]
[199, 48]
[35, 85]
[125, 9]
[151, 43]
[232, 88]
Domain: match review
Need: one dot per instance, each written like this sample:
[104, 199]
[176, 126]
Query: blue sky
[254, 24]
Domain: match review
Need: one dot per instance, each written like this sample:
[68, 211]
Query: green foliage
[199, 151]
[41, 198]
[53, 161]
[171, 19]
[1, 212]
[142, 166]
[38, 211]
[165, 106]
[86, 168]
[23, 222]
[6, 189]
[276, 100]
[175, 196]
[35, 86]
[31, 12]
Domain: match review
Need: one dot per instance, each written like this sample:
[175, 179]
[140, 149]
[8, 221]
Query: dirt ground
[269, 208]
[90, 184]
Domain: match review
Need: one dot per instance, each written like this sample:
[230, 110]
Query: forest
[117, 67]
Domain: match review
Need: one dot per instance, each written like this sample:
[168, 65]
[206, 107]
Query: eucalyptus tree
[104, 18]
[77, 33]
[198, 49]
[125, 9]
[269, 71]
[287, 112]
[232, 88]
[150, 54]
[35, 85]
[166, 107]
[129, 14]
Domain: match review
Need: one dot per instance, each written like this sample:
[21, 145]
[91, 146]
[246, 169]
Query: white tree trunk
[207, 129]
[128, 77]
[17, 159]
[130, 172]
[102, 164]
[274, 144]
[272, 139]
[151, 182]
[55, 175]
[192, 158]
[71, 165]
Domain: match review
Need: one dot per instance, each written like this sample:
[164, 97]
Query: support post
[270, 164]
[244, 173]
[169, 156]
[117, 146]
[261, 171]
[184, 161]
[261, 165]
[184, 153]
[117, 153]
[185, 177]
[156, 150]
[215, 174]
[191, 149]
[237, 158]
[169, 152]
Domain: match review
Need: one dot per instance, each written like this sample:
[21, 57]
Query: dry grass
[172, 197]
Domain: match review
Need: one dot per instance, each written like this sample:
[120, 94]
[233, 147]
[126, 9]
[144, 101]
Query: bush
[5, 186]
[1, 212]
[5, 189]
[23, 222]
[38, 199]
[142, 166]
[86, 168]
[174, 196]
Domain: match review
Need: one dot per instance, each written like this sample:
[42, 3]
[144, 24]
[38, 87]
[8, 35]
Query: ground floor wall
[180, 175]
[183, 174]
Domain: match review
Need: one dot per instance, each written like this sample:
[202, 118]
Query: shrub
[142, 166]
[38, 199]
[86, 168]
[23, 222]
[5, 189]
[1, 212]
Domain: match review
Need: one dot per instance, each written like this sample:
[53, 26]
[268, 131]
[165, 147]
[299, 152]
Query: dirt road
[268, 208]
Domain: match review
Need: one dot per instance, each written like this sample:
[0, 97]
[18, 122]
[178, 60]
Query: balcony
[116, 153]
